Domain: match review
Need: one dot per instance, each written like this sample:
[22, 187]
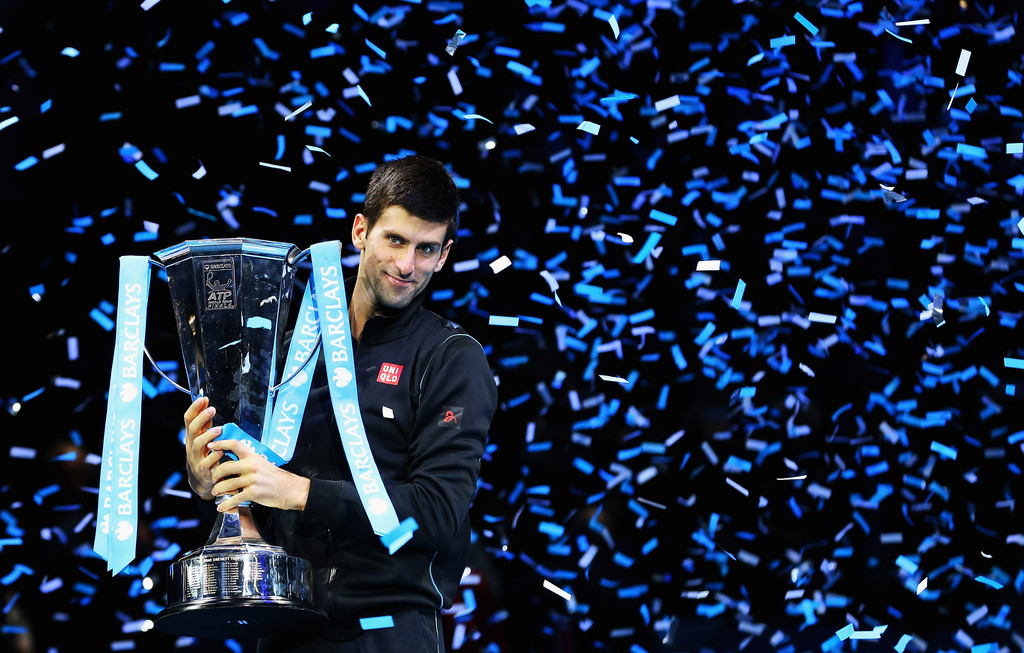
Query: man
[427, 397]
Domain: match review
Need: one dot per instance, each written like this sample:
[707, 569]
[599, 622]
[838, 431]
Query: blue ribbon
[118, 502]
[332, 310]
[289, 402]
[232, 431]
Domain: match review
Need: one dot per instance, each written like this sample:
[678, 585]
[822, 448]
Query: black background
[685, 561]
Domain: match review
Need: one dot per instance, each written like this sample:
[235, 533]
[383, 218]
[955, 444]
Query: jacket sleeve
[458, 398]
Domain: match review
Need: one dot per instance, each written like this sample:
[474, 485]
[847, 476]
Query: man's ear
[444, 256]
[359, 231]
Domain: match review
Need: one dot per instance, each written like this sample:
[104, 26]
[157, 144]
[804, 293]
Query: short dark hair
[420, 185]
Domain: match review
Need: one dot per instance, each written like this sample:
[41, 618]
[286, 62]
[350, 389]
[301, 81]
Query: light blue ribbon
[281, 431]
[332, 311]
[117, 510]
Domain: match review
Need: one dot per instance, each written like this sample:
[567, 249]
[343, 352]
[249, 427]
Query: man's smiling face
[399, 256]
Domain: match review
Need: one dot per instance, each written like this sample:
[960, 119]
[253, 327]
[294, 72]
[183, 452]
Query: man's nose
[406, 262]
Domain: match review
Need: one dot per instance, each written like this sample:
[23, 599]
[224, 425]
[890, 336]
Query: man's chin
[394, 304]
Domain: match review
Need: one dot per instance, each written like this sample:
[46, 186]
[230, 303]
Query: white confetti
[276, 167]
[453, 80]
[500, 264]
[823, 318]
[666, 103]
[961, 65]
[298, 111]
[548, 585]
[550, 278]
[24, 453]
[739, 488]
[53, 151]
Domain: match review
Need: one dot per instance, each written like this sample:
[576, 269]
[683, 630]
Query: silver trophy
[231, 298]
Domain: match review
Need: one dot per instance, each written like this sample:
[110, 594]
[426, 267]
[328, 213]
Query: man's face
[399, 255]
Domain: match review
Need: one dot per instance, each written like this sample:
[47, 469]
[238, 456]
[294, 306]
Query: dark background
[862, 410]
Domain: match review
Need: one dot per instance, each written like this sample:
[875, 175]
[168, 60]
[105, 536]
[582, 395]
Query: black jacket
[427, 397]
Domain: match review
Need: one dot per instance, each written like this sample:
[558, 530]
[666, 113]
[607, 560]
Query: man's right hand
[200, 459]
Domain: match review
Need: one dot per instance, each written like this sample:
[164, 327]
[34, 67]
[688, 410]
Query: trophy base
[238, 619]
[242, 589]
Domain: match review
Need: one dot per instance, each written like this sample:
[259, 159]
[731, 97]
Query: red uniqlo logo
[389, 373]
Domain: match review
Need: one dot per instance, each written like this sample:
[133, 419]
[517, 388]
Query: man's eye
[395, 240]
[427, 249]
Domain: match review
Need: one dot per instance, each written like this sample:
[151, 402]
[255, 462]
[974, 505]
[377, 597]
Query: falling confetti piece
[548, 585]
[454, 41]
[500, 264]
[275, 166]
[961, 64]
[298, 111]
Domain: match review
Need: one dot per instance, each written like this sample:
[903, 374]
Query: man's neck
[359, 311]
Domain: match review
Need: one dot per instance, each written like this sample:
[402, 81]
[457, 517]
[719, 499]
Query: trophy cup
[231, 298]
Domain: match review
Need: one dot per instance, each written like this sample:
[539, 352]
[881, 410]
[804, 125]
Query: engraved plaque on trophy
[231, 299]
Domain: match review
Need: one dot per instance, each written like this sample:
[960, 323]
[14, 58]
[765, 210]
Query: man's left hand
[253, 478]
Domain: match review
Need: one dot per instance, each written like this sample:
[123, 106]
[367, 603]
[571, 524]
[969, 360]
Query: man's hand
[253, 478]
[200, 459]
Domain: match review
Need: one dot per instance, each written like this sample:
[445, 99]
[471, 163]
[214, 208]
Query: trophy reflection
[231, 298]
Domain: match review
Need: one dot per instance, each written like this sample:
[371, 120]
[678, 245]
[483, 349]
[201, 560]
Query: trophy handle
[161, 372]
[316, 345]
[154, 263]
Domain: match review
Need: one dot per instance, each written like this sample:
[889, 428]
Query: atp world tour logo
[219, 276]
